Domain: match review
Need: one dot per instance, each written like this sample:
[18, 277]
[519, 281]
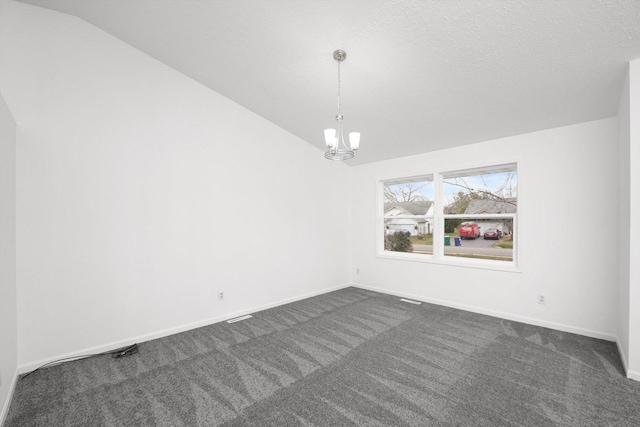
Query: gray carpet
[350, 357]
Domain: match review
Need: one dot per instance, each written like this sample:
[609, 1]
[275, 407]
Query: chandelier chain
[339, 87]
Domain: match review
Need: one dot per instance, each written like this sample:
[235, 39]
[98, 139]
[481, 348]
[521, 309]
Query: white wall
[624, 162]
[8, 313]
[634, 220]
[128, 174]
[565, 178]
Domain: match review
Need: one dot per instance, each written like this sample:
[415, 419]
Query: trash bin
[457, 241]
[447, 240]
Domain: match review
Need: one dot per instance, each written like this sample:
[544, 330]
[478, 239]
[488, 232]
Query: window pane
[406, 203]
[486, 238]
[400, 240]
[490, 191]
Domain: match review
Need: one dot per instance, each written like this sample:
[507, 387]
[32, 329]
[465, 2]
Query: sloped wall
[142, 194]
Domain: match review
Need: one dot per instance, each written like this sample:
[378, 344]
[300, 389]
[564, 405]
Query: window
[480, 208]
[408, 215]
[467, 216]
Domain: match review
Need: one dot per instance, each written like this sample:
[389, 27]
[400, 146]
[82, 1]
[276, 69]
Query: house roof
[413, 208]
[401, 221]
[489, 207]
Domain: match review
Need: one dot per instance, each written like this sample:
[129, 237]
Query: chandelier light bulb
[354, 140]
[330, 137]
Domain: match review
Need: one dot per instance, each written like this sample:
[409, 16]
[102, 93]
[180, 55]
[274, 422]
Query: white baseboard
[30, 366]
[499, 314]
[633, 375]
[27, 367]
[7, 402]
[622, 356]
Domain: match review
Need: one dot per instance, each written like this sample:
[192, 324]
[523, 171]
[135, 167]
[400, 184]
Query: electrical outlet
[357, 271]
[542, 299]
[220, 295]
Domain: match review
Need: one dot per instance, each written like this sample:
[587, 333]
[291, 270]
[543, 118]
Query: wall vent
[237, 319]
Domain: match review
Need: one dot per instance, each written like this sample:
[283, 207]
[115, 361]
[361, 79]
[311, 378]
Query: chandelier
[336, 146]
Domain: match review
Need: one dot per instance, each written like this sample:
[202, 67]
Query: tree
[505, 192]
[450, 225]
[407, 192]
[460, 202]
[398, 242]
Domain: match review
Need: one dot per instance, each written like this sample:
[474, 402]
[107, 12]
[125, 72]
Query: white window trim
[438, 218]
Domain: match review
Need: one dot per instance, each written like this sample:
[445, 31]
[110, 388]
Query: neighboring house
[478, 207]
[414, 226]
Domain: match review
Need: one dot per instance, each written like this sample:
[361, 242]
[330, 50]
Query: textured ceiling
[420, 75]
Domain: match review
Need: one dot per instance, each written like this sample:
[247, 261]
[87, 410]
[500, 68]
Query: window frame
[438, 219]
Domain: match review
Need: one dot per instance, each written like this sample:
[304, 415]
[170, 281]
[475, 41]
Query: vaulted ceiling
[420, 75]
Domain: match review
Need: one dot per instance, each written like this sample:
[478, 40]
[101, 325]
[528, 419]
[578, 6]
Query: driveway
[476, 243]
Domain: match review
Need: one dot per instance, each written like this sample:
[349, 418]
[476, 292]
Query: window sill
[509, 267]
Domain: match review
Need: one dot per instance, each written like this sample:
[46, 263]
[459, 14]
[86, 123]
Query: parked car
[469, 230]
[492, 233]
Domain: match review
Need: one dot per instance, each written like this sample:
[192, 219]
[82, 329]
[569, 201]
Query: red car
[469, 230]
[492, 233]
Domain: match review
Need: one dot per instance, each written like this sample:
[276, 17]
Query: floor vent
[237, 319]
[410, 301]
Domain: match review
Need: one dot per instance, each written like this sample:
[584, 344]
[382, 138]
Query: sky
[488, 182]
